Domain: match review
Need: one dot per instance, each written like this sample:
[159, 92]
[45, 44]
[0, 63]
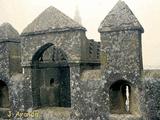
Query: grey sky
[21, 12]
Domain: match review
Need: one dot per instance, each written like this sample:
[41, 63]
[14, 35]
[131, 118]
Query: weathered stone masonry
[53, 72]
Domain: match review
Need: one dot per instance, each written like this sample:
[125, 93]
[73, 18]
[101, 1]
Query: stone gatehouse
[51, 71]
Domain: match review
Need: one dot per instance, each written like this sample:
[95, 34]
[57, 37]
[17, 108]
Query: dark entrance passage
[120, 97]
[4, 96]
[50, 77]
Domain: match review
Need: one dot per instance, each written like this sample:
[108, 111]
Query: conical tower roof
[120, 18]
[8, 32]
[51, 20]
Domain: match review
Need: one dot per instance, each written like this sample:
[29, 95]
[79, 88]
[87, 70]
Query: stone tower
[121, 60]
[10, 65]
[10, 48]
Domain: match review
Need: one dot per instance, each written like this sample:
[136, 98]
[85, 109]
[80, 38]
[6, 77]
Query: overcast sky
[20, 13]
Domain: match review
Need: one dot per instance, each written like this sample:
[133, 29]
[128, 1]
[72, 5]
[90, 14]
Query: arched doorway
[50, 77]
[4, 95]
[120, 95]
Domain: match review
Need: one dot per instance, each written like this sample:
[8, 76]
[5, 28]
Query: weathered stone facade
[53, 72]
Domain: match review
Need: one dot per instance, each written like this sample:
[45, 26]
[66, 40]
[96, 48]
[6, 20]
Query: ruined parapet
[92, 61]
[121, 61]
[93, 50]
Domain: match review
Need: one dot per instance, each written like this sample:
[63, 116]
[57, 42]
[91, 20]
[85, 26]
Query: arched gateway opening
[4, 95]
[50, 77]
[120, 97]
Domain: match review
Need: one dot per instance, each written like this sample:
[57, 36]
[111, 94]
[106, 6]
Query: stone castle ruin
[53, 72]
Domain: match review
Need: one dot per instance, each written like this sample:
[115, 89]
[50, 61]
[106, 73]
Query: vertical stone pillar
[75, 89]
[27, 82]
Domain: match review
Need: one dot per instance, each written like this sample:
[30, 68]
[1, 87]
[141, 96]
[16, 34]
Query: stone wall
[84, 101]
[90, 101]
[93, 52]
[121, 51]
[4, 65]
[14, 57]
[151, 80]
[68, 41]
[10, 67]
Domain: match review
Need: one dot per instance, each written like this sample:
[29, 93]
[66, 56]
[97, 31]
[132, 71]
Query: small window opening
[52, 81]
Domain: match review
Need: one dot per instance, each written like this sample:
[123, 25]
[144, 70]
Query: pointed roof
[120, 18]
[8, 32]
[51, 20]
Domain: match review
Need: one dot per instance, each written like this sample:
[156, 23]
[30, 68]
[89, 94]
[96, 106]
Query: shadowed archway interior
[120, 97]
[50, 77]
[4, 95]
